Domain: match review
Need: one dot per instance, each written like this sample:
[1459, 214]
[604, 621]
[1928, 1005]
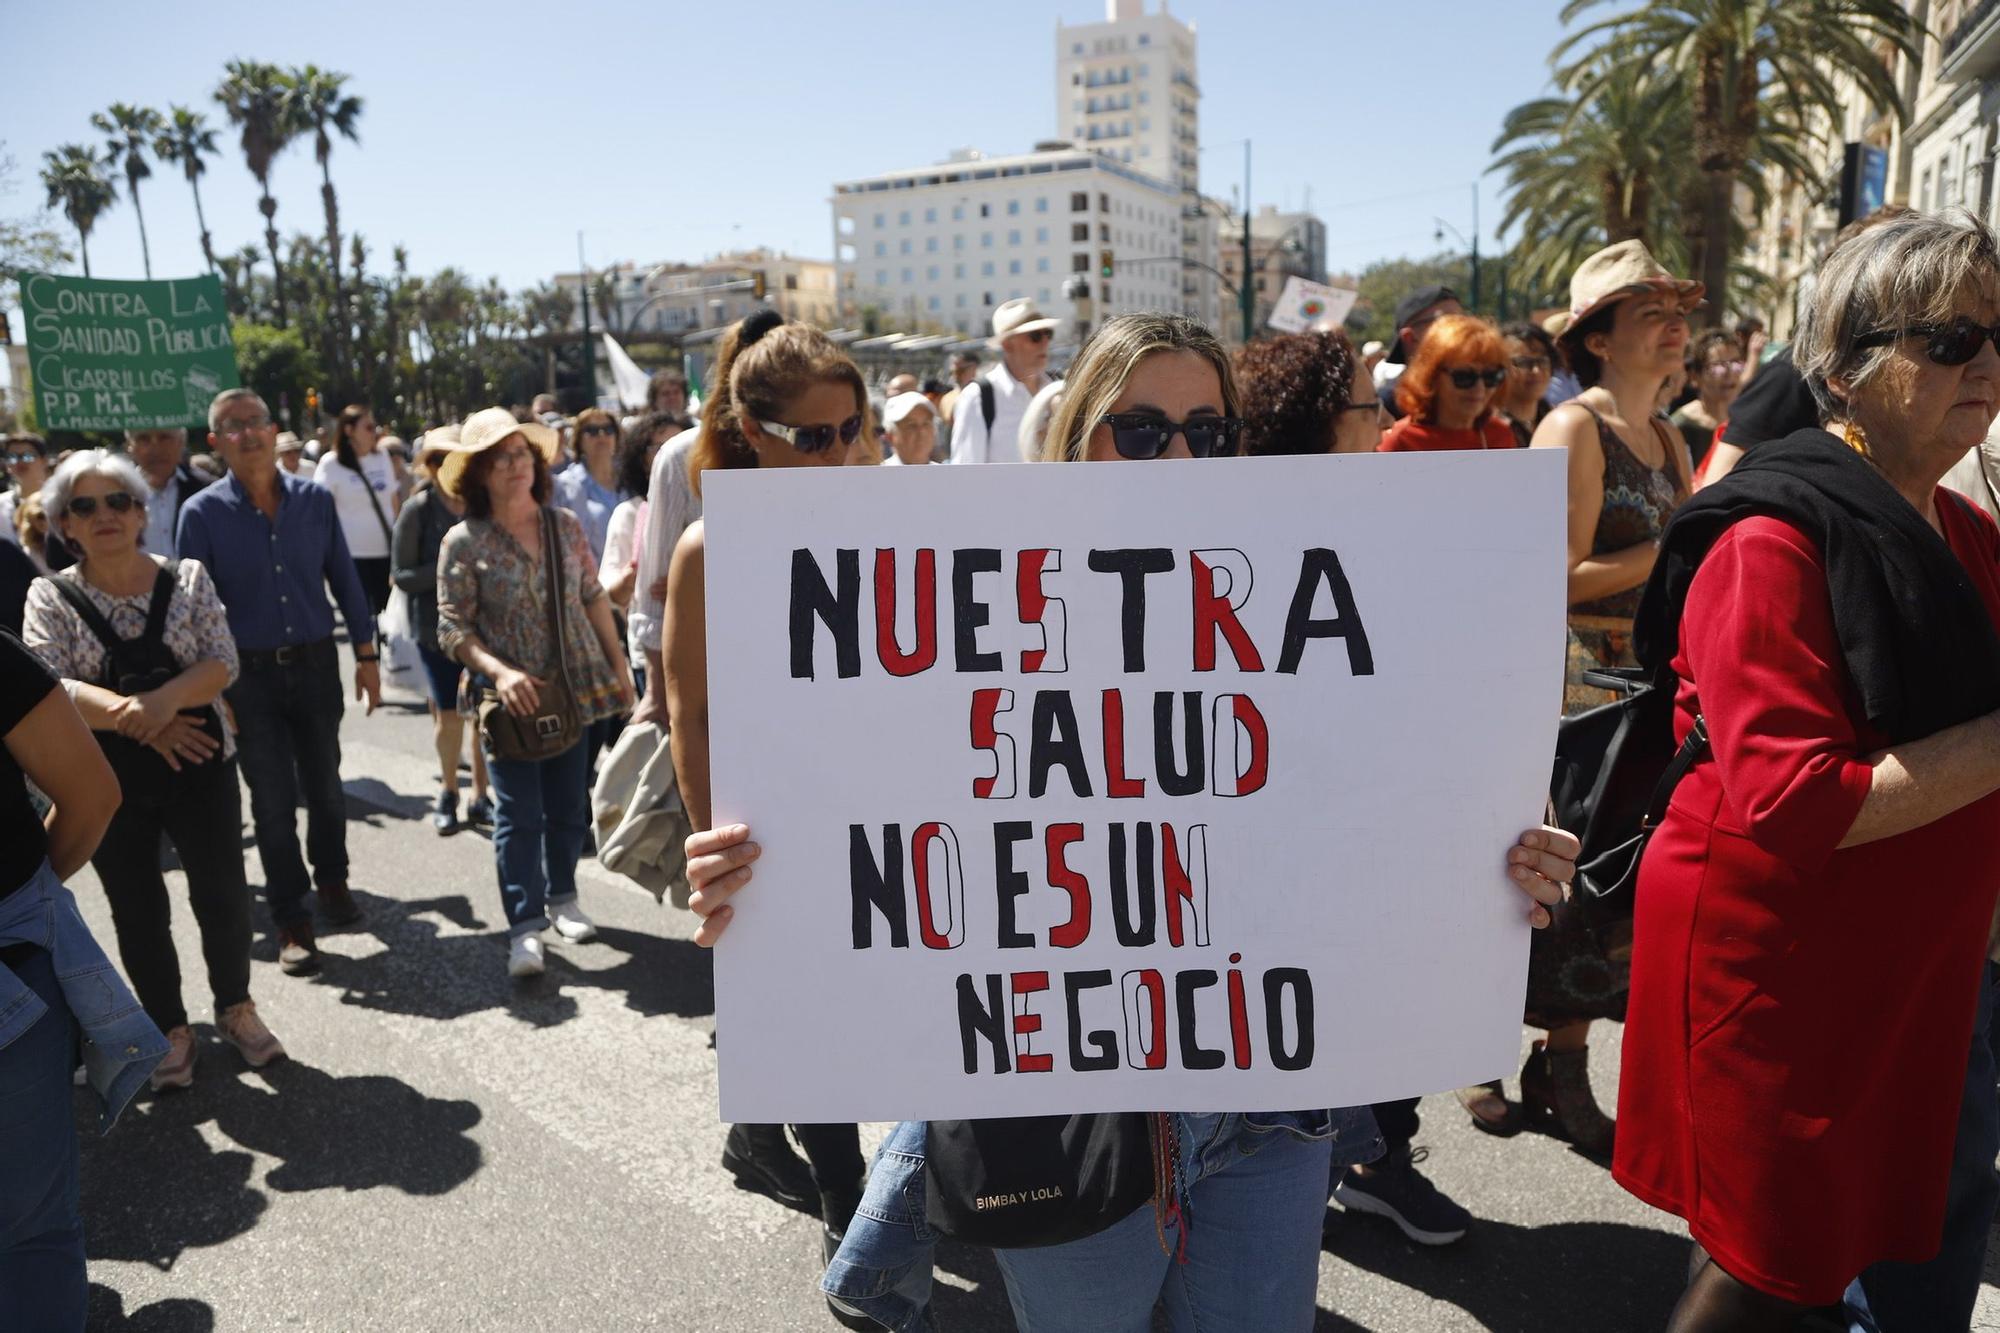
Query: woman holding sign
[1231, 1238]
[1829, 612]
[788, 397]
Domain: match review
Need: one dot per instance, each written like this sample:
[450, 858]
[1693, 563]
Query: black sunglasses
[118, 502]
[1951, 344]
[814, 439]
[599, 428]
[1039, 335]
[1142, 435]
[1465, 379]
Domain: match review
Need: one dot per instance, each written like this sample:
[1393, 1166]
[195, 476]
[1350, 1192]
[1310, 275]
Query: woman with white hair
[143, 646]
[1814, 911]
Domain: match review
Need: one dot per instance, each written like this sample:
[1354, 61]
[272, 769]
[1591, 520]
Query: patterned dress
[488, 586]
[1638, 501]
[1576, 972]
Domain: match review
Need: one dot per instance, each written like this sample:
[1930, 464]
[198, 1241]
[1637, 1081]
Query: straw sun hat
[480, 432]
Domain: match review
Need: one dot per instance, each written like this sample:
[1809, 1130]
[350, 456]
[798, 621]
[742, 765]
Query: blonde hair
[1108, 360]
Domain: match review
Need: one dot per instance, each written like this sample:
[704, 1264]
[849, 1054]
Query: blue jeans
[288, 743]
[1938, 1296]
[41, 1228]
[541, 811]
[1255, 1202]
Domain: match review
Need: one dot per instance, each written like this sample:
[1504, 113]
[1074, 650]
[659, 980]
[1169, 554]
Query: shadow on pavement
[423, 972]
[1515, 1279]
[981, 1310]
[107, 1315]
[155, 1188]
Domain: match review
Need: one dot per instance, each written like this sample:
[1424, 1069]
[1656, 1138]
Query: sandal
[1503, 1126]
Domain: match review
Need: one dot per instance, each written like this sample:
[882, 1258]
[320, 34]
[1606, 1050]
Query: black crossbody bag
[1036, 1180]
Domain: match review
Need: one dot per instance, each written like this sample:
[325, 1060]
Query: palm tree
[129, 132]
[319, 104]
[187, 141]
[254, 95]
[77, 184]
[1743, 64]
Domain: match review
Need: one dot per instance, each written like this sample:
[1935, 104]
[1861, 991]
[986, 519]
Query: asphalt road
[446, 1149]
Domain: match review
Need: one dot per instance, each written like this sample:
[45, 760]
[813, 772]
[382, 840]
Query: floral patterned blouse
[488, 586]
[197, 627]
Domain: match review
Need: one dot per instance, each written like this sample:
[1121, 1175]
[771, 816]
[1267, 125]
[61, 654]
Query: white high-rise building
[940, 246]
[1126, 88]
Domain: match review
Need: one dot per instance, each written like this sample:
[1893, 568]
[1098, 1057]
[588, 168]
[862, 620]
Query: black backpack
[133, 666]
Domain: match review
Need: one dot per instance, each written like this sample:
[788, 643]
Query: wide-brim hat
[433, 445]
[480, 432]
[1620, 271]
[1019, 316]
[290, 443]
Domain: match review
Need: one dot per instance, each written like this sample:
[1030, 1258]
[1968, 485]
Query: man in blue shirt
[273, 546]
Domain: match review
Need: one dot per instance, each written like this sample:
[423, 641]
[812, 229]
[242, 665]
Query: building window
[986, 240]
[903, 218]
[987, 299]
[958, 212]
[904, 248]
[935, 303]
[1041, 235]
[1013, 207]
[958, 241]
[881, 249]
[881, 219]
[1078, 231]
[1042, 264]
[958, 270]
[959, 300]
[881, 277]
[1103, 203]
[909, 276]
[931, 273]
[986, 210]
[1079, 263]
[1014, 236]
[930, 215]
[986, 269]
[1042, 204]
[1014, 267]
[930, 244]
[1079, 202]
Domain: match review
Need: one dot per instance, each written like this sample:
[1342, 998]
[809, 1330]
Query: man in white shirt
[911, 424]
[1022, 335]
[161, 457]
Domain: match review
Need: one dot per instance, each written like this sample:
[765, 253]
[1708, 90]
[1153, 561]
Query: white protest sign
[1109, 788]
[1311, 305]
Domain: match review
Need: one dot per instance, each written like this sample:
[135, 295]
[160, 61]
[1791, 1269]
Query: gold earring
[1857, 439]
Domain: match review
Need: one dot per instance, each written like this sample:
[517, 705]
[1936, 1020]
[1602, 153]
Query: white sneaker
[571, 923]
[524, 957]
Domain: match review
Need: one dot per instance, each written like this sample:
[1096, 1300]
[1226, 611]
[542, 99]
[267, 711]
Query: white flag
[1311, 305]
[626, 375]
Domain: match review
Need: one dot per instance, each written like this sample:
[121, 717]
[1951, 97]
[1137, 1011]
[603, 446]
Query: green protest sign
[112, 356]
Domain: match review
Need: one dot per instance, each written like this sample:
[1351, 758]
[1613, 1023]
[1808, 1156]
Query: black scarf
[1917, 640]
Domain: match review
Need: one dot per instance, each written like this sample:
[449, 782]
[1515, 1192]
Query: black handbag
[1616, 769]
[1029, 1181]
[132, 667]
[556, 722]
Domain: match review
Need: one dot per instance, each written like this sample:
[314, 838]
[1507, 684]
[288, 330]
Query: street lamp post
[1247, 296]
[589, 360]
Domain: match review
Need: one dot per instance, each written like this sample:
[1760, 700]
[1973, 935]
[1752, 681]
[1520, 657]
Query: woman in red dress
[1812, 914]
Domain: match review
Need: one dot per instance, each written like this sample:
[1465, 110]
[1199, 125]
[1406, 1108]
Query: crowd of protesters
[1762, 527]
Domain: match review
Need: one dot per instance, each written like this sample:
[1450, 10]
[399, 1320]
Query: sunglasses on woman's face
[1948, 344]
[118, 502]
[1144, 435]
[1464, 378]
[1528, 365]
[21, 458]
[600, 429]
[814, 439]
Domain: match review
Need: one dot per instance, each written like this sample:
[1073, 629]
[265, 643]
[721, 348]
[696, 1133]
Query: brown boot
[337, 905]
[298, 954]
[1556, 1099]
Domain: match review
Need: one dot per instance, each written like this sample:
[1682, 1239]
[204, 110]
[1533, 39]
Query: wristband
[371, 657]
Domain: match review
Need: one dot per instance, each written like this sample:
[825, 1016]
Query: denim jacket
[120, 1044]
[883, 1268]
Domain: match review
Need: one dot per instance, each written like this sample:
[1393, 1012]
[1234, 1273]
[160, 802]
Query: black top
[24, 683]
[1775, 403]
[1917, 641]
[16, 573]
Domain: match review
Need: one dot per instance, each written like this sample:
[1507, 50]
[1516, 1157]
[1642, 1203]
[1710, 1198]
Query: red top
[1800, 1016]
[1411, 436]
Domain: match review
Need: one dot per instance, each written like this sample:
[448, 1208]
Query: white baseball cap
[902, 405]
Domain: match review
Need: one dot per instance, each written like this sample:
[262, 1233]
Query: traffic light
[757, 284]
[1104, 265]
[312, 404]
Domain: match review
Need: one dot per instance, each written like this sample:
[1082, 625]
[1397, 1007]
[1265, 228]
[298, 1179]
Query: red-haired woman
[1451, 389]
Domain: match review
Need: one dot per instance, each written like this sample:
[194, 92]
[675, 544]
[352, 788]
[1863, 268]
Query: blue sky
[493, 133]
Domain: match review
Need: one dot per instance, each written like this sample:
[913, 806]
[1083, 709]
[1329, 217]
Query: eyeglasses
[814, 439]
[599, 429]
[118, 502]
[1143, 435]
[509, 457]
[1951, 344]
[15, 459]
[1465, 378]
[229, 430]
[1530, 365]
[1372, 405]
